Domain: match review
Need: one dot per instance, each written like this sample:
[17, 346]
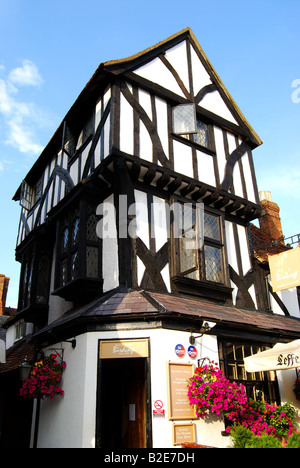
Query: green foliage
[294, 441]
[241, 436]
[264, 441]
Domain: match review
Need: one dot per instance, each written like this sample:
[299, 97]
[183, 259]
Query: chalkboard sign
[178, 402]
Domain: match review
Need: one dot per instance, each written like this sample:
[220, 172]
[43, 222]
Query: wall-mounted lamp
[204, 329]
[25, 369]
[73, 342]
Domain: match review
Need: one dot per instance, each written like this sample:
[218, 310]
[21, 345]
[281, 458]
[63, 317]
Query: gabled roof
[140, 58]
[110, 69]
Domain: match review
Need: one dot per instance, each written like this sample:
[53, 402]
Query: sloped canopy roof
[146, 305]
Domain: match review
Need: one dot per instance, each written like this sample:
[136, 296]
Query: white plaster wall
[110, 261]
[183, 161]
[177, 56]
[248, 178]
[206, 171]
[69, 422]
[200, 76]
[231, 254]
[126, 126]
[214, 103]
[157, 72]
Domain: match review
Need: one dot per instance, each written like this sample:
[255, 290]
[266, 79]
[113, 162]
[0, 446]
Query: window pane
[188, 257]
[75, 266]
[92, 262]
[65, 239]
[211, 227]
[44, 268]
[184, 119]
[213, 264]
[75, 234]
[63, 272]
[201, 137]
[91, 233]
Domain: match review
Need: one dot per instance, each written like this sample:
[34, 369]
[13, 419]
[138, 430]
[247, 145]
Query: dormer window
[186, 125]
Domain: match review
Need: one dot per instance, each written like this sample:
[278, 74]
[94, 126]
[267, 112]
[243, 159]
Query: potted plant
[297, 389]
[44, 379]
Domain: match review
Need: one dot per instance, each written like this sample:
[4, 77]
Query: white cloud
[21, 117]
[27, 75]
[1, 166]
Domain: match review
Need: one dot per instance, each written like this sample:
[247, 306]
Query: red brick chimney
[4, 282]
[270, 222]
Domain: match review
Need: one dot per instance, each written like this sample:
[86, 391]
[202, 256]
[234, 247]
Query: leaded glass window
[26, 197]
[91, 225]
[75, 266]
[200, 245]
[35, 274]
[186, 125]
[92, 262]
[75, 230]
[43, 277]
[79, 256]
[202, 135]
[65, 239]
[184, 119]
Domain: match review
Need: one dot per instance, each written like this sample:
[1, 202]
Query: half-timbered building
[135, 254]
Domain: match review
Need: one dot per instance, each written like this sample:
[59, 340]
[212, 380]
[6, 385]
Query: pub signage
[118, 349]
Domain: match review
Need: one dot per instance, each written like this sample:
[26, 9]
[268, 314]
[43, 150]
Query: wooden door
[121, 417]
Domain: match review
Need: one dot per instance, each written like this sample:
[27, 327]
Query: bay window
[78, 253]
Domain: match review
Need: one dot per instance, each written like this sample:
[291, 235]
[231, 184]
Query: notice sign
[158, 410]
[179, 405]
[118, 349]
[184, 433]
[285, 269]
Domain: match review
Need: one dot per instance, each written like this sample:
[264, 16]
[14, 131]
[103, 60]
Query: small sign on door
[132, 412]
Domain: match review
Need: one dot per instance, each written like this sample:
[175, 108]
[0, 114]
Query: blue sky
[50, 49]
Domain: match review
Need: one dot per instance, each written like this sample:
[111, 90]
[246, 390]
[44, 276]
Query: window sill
[206, 290]
[81, 290]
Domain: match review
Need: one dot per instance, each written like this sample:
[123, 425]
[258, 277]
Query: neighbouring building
[137, 255]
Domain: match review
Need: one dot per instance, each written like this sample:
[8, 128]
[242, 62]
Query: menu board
[178, 402]
[184, 433]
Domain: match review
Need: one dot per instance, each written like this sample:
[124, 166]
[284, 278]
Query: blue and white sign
[180, 350]
[192, 352]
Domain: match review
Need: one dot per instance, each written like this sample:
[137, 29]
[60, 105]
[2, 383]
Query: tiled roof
[139, 305]
[16, 355]
[134, 303]
[263, 245]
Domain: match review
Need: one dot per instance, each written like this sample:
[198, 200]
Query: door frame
[99, 421]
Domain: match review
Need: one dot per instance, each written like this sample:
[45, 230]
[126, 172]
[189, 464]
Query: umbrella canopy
[281, 357]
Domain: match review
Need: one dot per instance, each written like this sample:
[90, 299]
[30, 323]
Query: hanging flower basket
[297, 389]
[210, 392]
[44, 380]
